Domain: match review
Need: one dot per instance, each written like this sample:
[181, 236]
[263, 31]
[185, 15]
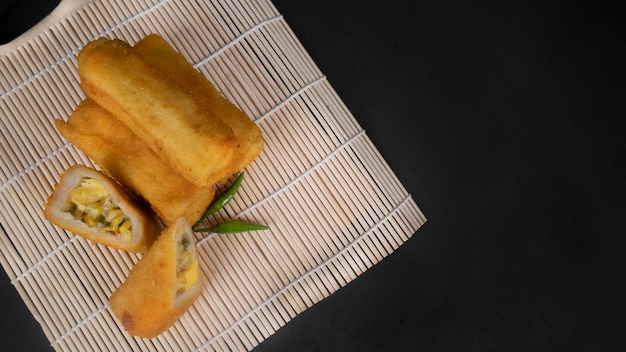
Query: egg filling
[91, 203]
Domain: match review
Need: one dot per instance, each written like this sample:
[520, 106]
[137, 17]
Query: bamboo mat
[334, 206]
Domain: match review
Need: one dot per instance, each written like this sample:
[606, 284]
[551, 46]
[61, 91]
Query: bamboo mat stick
[334, 206]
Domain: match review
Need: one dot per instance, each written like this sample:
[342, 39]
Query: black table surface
[505, 121]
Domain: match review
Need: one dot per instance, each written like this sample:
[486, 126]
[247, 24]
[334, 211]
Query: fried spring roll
[118, 151]
[154, 49]
[161, 286]
[198, 145]
[88, 203]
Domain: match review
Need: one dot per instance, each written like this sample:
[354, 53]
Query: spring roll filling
[90, 203]
[186, 262]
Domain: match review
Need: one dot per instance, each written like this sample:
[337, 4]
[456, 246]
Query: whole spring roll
[161, 286]
[178, 128]
[155, 50]
[118, 151]
[89, 204]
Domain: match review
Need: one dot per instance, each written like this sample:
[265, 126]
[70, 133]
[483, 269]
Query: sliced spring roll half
[158, 52]
[198, 145]
[118, 151]
[161, 286]
[90, 204]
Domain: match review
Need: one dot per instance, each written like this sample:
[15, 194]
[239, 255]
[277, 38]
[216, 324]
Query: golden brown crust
[198, 145]
[155, 50]
[145, 227]
[118, 151]
[146, 303]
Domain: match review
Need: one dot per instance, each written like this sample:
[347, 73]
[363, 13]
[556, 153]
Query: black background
[505, 121]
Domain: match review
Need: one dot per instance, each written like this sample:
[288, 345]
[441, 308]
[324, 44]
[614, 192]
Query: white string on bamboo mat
[290, 98]
[32, 167]
[80, 324]
[44, 259]
[239, 38]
